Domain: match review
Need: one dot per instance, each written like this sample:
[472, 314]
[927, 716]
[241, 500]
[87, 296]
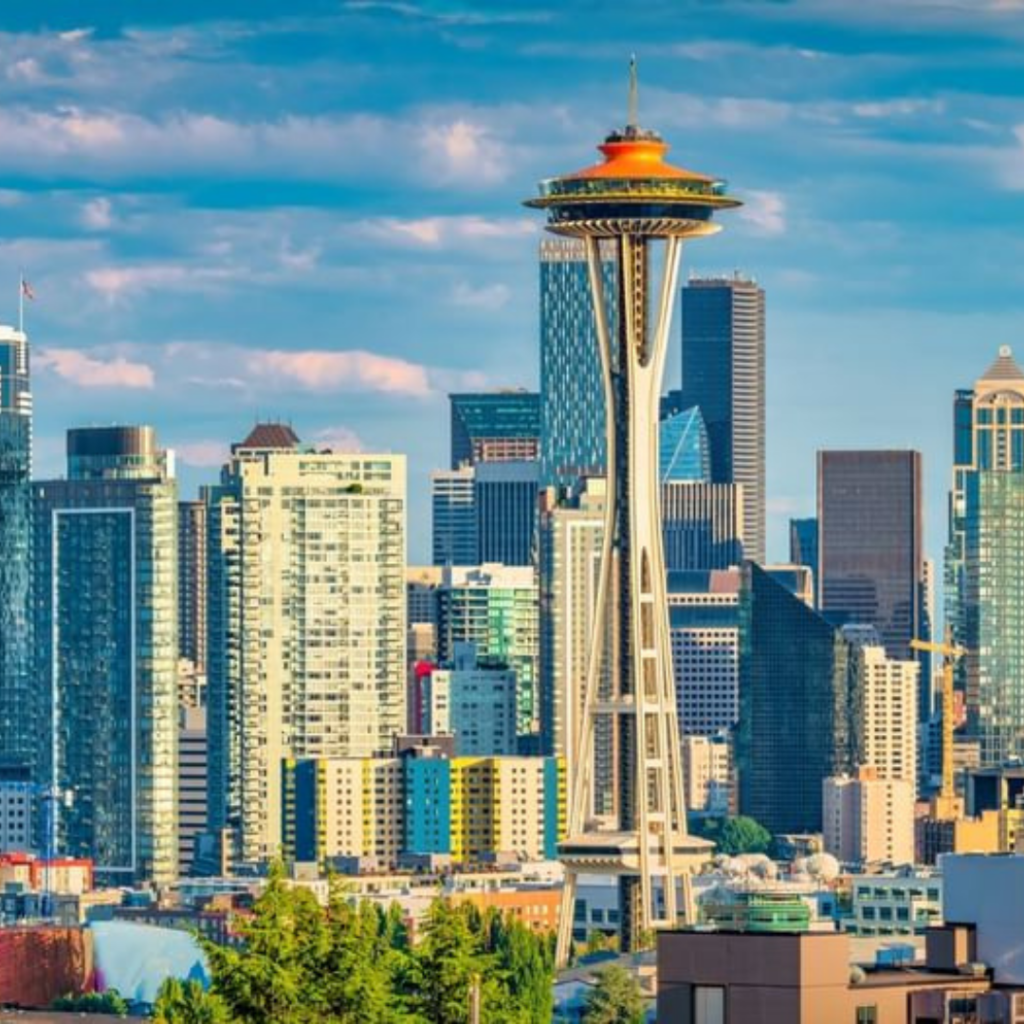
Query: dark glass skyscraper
[870, 547]
[803, 544]
[723, 324]
[494, 426]
[796, 723]
[106, 615]
[17, 725]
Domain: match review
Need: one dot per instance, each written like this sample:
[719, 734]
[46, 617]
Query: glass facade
[683, 450]
[723, 327]
[494, 427]
[796, 722]
[104, 575]
[454, 537]
[18, 726]
[495, 608]
[572, 419]
[803, 544]
[984, 571]
[505, 501]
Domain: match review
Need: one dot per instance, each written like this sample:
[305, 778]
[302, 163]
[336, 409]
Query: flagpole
[21, 302]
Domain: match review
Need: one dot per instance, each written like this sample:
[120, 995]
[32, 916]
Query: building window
[866, 1015]
[708, 1004]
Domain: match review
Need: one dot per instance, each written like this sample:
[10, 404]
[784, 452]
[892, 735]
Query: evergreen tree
[188, 1003]
[615, 999]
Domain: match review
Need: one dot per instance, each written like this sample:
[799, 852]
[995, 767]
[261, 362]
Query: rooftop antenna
[631, 117]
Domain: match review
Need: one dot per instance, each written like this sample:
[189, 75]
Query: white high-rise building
[307, 620]
[887, 712]
[867, 819]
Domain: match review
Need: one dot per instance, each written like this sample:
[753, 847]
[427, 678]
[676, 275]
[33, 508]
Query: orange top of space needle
[635, 183]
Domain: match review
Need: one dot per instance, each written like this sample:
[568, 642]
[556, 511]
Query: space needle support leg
[581, 772]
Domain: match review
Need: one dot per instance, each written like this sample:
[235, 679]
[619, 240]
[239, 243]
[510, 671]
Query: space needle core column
[636, 206]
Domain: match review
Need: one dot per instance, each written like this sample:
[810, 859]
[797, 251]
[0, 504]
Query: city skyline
[200, 260]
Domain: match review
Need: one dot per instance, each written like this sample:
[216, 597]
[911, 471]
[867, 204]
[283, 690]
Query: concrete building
[495, 608]
[885, 693]
[19, 801]
[723, 328]
[704, 630]
[106, 618]
[867, 819]
[905, 903]
[473, 700]
[719, 977]
[422, 803]
[307, 621]
[707, 775]
[192, 800]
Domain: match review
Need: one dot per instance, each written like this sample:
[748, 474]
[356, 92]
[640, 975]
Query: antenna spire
[631, 118]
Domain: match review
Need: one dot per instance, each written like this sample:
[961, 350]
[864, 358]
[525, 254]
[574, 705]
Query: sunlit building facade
[307, 621]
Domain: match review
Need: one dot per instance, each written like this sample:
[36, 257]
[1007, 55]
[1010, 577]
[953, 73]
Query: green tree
[736, 835]
[110, 1002]
[525, 967]
[188, 1003]
[445, 964]
[615, 999]
[275, 974]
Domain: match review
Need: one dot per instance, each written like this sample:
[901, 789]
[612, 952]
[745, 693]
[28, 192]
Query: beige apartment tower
[307, 621]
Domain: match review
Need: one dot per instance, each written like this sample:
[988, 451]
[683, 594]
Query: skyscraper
[106, 622]
[572, 417]
[723, 324]
[985, 556]
[803, 545]
[307, 620]
[796, 725]
[495, 608]
[505, 498]
[702, 525]
[494, 426]
[643, 208]
[18, 726]
[453, 508]
[870, 547]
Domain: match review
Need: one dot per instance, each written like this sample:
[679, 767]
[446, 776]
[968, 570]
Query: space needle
[637, 209]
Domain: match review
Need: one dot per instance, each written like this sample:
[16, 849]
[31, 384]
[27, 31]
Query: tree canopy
[352, 963]
[735, 835]
[615, 999]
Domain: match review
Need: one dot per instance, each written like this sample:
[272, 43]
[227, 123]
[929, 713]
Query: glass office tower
[494, 426]
[572, 396]
[17, 723]
[796, 706]
[723, 325]
[985, 557]
[106, 628]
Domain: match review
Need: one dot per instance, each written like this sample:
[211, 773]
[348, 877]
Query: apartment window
[866, 1015]
[708, 1004]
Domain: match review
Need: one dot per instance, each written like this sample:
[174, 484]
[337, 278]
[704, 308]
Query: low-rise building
[867, 819]
[895, 904]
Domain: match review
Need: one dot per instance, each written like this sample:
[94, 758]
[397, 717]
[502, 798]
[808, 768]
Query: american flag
[26, 290]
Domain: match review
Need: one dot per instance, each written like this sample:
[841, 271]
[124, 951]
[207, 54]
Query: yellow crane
[946, 804]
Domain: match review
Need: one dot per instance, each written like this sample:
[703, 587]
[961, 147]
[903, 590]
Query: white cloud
[116, 284]
[765, 212]
[490, 297]
[463, 151]
[353, 370]
[338, 439]
[904, 107]
[94, 371]
[443, 231]
[97, 214]
[206, 454]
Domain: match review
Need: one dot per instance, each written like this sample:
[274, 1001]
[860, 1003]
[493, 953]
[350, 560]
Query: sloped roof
[1004, 368]
[269, 435]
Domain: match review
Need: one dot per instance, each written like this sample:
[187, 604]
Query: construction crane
[945, 805]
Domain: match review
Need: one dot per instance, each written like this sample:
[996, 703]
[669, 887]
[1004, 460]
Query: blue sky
[312, 211]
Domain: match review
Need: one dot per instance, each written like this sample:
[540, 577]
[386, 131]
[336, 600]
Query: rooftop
[269, 436]
[1004, 368]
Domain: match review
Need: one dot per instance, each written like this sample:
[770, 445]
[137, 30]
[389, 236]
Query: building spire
[632, 120]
